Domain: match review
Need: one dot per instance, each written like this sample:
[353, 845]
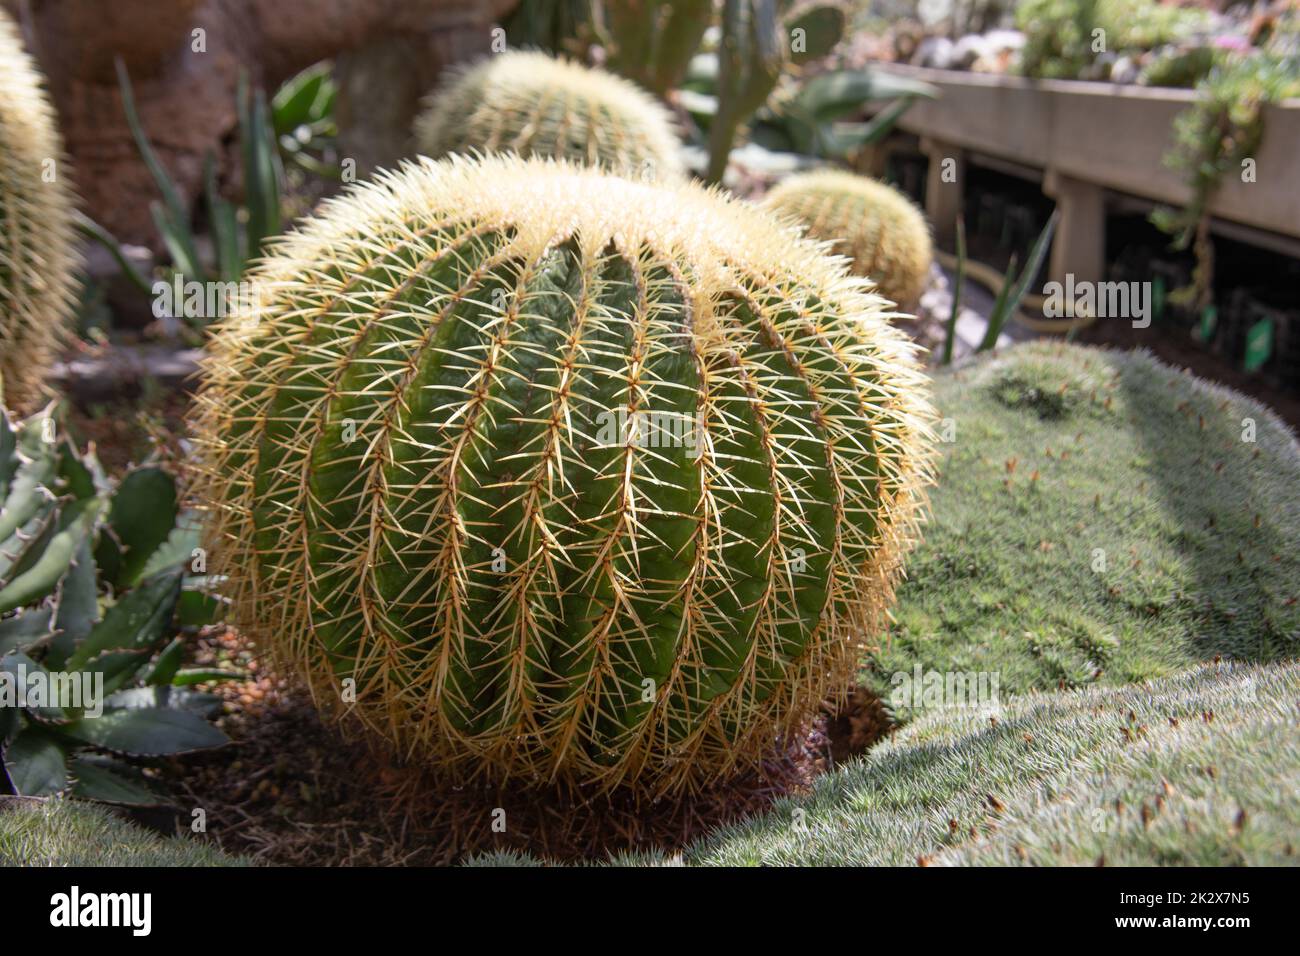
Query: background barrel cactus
[36, 260]
[873, 224]
[534, 105]
[576, 477]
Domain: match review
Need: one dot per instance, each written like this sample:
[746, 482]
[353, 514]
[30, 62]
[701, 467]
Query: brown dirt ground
[291, 790]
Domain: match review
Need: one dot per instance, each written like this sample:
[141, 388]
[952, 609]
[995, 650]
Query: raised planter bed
[1087, 138]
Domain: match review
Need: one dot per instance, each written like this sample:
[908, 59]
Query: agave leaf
[950, 337]
[77, 608]
[1011, 295]
[24, 630]
[225, 231]
[147, 731]
[36, 762]
[28, 490]
[167, 663]
[96, 777]
[179, 547]
[21, 668]
[8, 454]
[141, 518]
[172, 218]
[39, 579]
[137, 622]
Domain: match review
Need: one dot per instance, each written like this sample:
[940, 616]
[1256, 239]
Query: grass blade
[951, 338]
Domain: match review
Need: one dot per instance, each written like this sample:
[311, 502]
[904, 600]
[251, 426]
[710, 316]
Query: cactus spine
[36, 259]
[579, 478]
[534, 105]
[873, 224]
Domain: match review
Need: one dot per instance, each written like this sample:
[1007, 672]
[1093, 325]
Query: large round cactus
[36, 260]
[873, 224]
[534, 105]
[566, 476]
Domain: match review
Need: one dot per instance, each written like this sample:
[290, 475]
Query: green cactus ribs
[873, 224]
[574, 478]
[534, 105]
[36, 258]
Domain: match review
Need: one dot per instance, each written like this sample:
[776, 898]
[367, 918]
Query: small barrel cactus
[534, 105]
[37, 290]
[873, 224]
[552, 475]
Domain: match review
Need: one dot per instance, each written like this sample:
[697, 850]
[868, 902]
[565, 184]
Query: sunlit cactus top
[575, 477]
[36, 259]
[535, 105]
[872, 223]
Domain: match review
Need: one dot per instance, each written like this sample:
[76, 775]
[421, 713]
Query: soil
[292, 790]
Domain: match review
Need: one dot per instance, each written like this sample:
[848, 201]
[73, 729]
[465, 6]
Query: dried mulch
[292, 790]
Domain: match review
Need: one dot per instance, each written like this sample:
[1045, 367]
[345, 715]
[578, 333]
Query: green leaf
[1008, 302]
[950, 337]
[28, 491]
[141, 518]
[78, 606]
[173, 219]
[168, 663]
[833, 95]
[24, 629]
[197, 609]
[110, 781]
[137, 622]
[44, 574]
[179, 547]
[8, 453]
[198, 675]
[21, 669]
[823, 28]
[149, 731]
[36, 762]
[225, 231]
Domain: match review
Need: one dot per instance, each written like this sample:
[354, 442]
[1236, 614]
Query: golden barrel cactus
[37, 287]
[567, 476]
[532, 104]
[873, 224]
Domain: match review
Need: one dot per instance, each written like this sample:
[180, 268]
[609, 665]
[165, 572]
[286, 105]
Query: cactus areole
[572, 478]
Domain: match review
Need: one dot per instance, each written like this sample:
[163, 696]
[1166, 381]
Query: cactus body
[579, 478]
[534, 105]
[36, 259]
[873, 224]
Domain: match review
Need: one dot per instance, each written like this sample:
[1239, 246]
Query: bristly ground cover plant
[94, 588]
[565, 477]
[1099, 517]
[68, 833]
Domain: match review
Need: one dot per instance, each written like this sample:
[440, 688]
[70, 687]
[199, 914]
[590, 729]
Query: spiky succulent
[68, 536]
[36, 259]
[574, 477]
[532, 104]
[873, 224]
